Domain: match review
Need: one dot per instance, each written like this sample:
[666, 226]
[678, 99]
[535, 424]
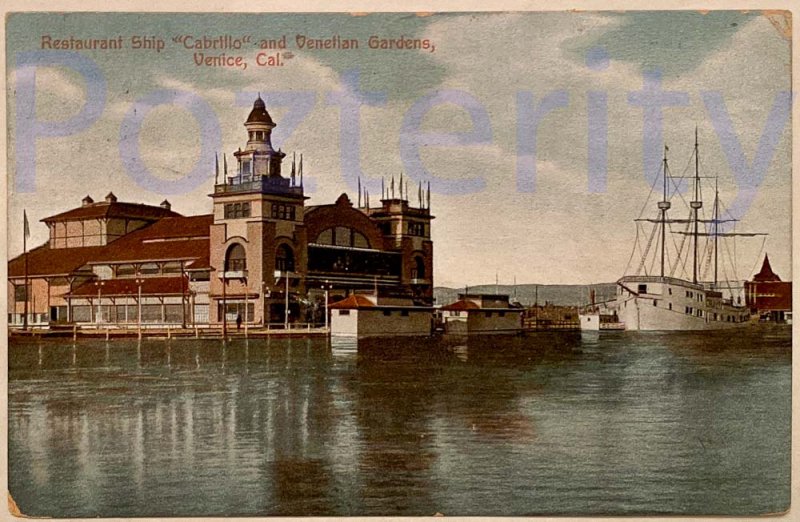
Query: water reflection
[545, 424]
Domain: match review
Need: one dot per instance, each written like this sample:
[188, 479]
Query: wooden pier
[109, 332]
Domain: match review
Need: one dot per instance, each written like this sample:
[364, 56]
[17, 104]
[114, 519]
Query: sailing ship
[663, 299]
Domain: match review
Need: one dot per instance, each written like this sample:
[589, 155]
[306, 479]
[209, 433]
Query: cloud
[559, 233]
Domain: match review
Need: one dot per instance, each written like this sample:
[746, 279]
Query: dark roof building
[767, 295]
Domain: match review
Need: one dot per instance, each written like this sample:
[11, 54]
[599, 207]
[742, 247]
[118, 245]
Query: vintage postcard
[509, 263]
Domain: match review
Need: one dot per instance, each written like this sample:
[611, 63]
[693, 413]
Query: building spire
[429, 195]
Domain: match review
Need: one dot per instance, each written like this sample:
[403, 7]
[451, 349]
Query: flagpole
[25, 253]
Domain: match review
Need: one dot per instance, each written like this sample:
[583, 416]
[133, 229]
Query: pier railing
[170, 330]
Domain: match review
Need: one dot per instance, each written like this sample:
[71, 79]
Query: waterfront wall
[378, 322]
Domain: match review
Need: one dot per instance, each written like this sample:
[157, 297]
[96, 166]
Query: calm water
[547, 424]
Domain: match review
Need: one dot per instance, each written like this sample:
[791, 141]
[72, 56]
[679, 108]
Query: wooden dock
[166, 332]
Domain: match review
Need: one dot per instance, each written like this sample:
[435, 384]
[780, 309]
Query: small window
[282, 211]
[655, 302]
[20, 295]
[670, 306]
[416, 229]
[404, 313]
[488, 314]
[237, 210]
[387, 312]
[642, 289]
[344, 312]
[670, 291]
[149, 269]
[502, 314]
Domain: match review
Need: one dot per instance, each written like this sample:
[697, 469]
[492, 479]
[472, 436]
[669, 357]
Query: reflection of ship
[672, 298]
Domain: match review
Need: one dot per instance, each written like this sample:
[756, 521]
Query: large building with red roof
[261, 255]
[768, 296]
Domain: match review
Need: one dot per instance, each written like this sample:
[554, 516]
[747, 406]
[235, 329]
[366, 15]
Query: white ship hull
[656, 303]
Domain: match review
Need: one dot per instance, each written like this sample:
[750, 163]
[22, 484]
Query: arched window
[342, 236]
[235, 259]
[359, 241]
[325, 237]
[418, 271]
[284, 258]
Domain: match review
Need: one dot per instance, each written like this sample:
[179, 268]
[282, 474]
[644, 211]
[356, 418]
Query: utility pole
[246, 308]
[224, 309]
[139, 282]
[286, 304]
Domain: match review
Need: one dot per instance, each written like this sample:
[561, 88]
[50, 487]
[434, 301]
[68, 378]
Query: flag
[26, 228]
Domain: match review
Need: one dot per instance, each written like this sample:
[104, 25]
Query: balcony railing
[261, 184]
[233, 274]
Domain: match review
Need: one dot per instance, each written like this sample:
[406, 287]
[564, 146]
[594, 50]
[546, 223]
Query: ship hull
[669, 304]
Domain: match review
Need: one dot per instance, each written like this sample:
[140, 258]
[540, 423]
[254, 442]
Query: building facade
[482, 314]
[261, 256]
[767, 296]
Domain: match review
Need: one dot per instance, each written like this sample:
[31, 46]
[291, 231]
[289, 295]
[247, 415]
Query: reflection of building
[261, 249]
[482, 313]
[767, 295]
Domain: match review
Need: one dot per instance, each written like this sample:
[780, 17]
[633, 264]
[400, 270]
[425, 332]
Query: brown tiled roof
[173, 238]
[122, 287]
[44, 261]
[353, 302]
[463, 304]
[106, 209]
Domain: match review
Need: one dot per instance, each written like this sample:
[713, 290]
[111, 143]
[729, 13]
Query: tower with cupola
[258, 241]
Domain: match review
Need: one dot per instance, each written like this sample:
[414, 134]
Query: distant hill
[562, 295]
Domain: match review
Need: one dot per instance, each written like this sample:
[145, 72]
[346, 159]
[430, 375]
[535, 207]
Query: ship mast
[663, 206]
[716, 229]
[696, 204]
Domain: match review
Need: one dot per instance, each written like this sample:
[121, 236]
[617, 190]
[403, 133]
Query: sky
[534, 129]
